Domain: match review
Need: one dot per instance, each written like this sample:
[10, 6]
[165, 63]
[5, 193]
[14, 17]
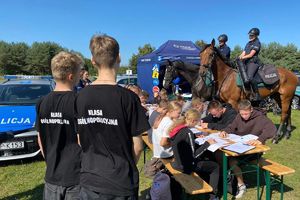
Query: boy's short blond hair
[65, 63]
[105, 50]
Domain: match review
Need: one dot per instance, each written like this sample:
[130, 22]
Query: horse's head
[170, 73]
[207, 57]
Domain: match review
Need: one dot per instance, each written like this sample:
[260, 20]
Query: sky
[71, 23]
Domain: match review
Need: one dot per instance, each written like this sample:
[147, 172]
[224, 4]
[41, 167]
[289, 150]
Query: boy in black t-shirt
[110, 121]
[57, 137]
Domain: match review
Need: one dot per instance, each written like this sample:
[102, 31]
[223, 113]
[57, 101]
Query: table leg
[257, 180]
[268, 185]
[224, 176]
[281, 187]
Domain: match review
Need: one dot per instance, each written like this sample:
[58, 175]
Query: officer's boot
[255, 95]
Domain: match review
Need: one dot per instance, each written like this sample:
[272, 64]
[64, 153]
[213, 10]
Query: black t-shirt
[55, 123]
[108, 117]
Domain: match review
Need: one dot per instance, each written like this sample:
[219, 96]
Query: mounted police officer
[251, 60]
[223, 48]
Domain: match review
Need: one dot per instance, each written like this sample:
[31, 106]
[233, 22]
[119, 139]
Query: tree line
[20, 58]
[35, 59]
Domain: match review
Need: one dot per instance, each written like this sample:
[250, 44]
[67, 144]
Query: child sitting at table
[158, 113]
[220, 115]
[189, 156]
[248, 121]
[160, 136]
[200, 105]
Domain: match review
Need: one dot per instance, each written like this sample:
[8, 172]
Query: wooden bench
[274, 171]
[192, 183]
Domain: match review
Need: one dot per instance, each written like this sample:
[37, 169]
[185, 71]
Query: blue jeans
[56, 192]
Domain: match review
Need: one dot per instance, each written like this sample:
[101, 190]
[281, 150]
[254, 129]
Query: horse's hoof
[275, 141]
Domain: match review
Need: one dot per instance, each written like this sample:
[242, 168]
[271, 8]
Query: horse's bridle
[169, 78]
[207, 66]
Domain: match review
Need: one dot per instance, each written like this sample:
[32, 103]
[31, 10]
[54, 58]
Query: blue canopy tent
[150, 67]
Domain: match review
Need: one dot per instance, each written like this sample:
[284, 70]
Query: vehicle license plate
[11, 145]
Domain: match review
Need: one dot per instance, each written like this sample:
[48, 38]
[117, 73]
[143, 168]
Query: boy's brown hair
[105, 50]
[163, 92]
[65, 63]
[144, 93]
[163, 103]
[214, 104]
[244, 104]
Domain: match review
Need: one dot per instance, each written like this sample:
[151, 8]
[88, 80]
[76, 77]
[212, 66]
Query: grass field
[24, 179]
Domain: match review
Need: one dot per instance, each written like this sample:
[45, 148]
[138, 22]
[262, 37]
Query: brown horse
[228, 91]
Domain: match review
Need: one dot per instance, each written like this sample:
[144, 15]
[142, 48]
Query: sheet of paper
[215, 147]
[233, 137]
[200, 141]
[244, 138]
[214, 135]
[219, 142]
[239, 147]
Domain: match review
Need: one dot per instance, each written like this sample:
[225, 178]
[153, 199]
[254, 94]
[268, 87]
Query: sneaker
[241, 191]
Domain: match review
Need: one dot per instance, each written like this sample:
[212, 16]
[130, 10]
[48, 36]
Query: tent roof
[173, 49]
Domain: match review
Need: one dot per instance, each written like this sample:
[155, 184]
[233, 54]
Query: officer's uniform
[252, 63]
[225, 51]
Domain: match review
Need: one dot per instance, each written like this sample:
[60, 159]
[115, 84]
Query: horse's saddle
[266, 76]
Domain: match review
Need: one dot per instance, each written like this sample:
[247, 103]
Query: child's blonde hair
[196, 101]
[173, 105]
[191, 114]
[105, 50]
[65, 63]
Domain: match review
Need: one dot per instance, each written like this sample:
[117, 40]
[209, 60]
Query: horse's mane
[188, 66]
[223, 58]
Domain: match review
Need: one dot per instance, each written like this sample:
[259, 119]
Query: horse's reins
[227, 75]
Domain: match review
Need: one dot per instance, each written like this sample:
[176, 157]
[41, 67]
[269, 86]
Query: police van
[18, 96]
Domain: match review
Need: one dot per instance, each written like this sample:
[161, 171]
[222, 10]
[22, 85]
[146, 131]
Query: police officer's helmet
[254, 31]
[223, 38]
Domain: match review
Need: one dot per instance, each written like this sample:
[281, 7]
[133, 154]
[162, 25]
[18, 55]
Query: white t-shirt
[157, 134]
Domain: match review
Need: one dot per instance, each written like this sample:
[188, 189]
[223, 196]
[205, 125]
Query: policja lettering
[15, 121]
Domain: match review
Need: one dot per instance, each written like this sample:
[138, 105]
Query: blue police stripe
[16, 118]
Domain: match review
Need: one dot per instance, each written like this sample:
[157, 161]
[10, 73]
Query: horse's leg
[279, 132]
[289, 124]
[285, 113]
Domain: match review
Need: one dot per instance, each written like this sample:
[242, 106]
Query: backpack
[269, 74]
[152, 167]
[160, 189]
